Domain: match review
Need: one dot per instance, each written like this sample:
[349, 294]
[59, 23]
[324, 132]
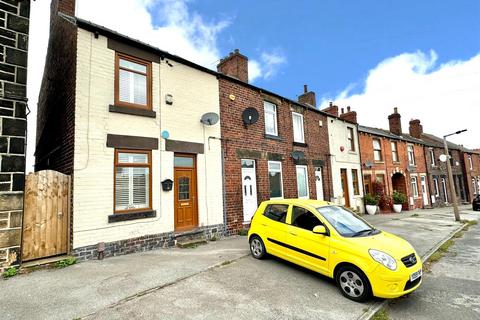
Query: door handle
[263, 224]
[293, 233]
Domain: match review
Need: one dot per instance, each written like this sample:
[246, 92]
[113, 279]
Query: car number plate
[414, 276]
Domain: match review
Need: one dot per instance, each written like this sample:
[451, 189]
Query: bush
[10, 272]
[370, 199]
[399, 198]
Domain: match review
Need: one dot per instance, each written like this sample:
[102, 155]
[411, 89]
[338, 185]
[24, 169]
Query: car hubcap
[256, 247]
[351, 284]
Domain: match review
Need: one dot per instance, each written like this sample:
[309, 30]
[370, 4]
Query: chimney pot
[237, 51]
[330, 104]
[395, 122]
[348, 109]
[343, 110]
[307, 97]
[395, 110]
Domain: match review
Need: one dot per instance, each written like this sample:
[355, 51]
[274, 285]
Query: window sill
[300, 144]
[118, 217]
[272, 137]
[133, 111]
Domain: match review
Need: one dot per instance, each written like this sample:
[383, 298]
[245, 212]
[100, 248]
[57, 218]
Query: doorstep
[44, 261]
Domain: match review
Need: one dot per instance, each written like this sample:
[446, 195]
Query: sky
[422, 57]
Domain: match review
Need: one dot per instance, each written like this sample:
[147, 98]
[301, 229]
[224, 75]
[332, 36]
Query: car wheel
[257, 248]
[353, 284]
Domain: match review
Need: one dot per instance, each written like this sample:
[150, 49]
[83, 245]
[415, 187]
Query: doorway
[319, 183]
[249, 189]
[346, 193]
[185, 185]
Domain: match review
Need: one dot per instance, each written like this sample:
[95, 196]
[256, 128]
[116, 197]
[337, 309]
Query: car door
[275, 228]
[307, 248]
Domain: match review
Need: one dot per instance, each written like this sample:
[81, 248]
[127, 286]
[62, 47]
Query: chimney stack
[350, 116]
[416, 128]
[234, 65]
[395, 122]
[332, 109]
[308, 97]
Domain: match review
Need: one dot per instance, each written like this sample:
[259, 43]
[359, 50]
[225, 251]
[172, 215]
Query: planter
[397, 208]
[371, 210]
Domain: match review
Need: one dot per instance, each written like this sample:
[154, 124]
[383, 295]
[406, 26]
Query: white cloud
[179, 31]
[38, 42]
[267, 66]
[445, 97]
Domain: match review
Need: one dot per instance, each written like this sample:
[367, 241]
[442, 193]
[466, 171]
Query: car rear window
[276, 212]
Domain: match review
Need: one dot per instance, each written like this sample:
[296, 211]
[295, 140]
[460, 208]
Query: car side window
[276, 212]
[304, 219]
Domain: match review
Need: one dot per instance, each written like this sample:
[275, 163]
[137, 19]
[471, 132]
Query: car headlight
[383, 258]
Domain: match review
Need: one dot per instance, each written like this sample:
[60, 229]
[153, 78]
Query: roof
[93, 27]
[387, 134]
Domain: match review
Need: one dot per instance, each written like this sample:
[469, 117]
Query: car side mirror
[320, 230]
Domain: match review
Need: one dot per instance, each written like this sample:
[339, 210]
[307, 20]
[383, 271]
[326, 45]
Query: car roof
[300, 202]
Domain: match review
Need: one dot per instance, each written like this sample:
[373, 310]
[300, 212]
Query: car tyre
[353, 284]
[257, 248]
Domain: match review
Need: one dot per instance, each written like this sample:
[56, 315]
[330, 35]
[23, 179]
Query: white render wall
[338, 137]
[194, 93]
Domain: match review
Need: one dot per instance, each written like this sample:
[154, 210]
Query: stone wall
[14, 27]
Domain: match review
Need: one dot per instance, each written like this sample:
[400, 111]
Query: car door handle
[293, 233]
[264, 224]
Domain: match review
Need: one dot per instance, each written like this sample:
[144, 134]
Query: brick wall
[388, 167]
[249, 142]
[14, 28]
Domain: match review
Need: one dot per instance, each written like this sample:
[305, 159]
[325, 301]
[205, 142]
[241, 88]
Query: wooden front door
[46, 215]
[346, 193]
[185, 185]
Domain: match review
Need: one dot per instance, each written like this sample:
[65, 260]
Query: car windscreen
[345, 222]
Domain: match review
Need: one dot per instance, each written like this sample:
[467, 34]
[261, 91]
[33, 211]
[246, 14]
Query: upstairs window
[377, 150]
[411, 155]
[132, 180]
[298, 130]
[351, 139]
[470, 161]
[394, 151]
[435, 187]
[270, 118]
[133, 82]
[432, 157]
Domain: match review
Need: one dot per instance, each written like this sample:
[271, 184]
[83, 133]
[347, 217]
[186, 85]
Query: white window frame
[306, 181]
[435, 187]
[414, 181]
[474, 182]
[432, 157]
[411, 154]
[351, 140]
[275, 118]
[377, 150]
[394, 151]
[471, 162]
[281, 177]
[298, 131]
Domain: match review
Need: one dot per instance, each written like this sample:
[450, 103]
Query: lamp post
[450, 175]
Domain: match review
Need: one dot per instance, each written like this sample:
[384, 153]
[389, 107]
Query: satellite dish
[250, 115]
[368, 164]
[443, 158]
[298, 155]
[210, 118]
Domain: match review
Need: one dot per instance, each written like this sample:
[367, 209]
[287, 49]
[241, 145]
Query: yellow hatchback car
[335, 242]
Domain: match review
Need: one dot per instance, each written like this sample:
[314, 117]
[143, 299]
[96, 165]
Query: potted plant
[371, 203]
[398, 201]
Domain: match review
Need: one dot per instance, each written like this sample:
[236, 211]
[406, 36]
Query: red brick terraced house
[437, 170]
[397, 160]
[471, 159]
[273, 147]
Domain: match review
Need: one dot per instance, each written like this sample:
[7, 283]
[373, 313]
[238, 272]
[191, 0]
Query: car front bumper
[393, 284]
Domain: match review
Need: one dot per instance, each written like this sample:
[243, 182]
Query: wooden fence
[46, 221]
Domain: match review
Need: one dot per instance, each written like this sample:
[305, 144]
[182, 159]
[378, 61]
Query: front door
[424, 190]
[319, 183]
[185, 185]
[249, 189]
[346, 193]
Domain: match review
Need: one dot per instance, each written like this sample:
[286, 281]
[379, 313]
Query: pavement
[452, 289]
[216, 281]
